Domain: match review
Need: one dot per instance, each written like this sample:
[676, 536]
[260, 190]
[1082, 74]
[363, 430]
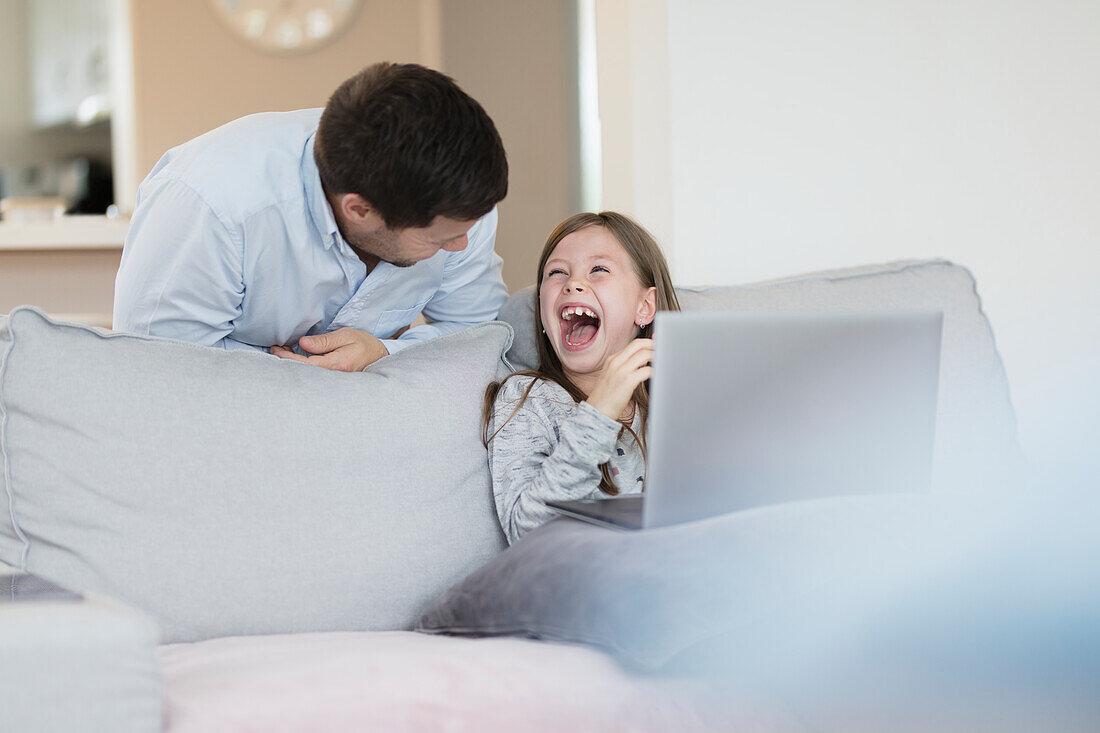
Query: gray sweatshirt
[552, 450]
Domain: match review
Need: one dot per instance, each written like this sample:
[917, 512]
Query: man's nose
[457, 245]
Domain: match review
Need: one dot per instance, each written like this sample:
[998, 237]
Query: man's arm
[181, 271]
[472, 290]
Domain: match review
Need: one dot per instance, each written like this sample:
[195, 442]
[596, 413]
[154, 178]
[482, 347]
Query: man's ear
[356, 208]
[647, 309]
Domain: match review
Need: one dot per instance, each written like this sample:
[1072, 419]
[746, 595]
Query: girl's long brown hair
[651, 270]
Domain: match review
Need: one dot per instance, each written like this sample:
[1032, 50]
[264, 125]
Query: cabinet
[65, 267]
[70, 59]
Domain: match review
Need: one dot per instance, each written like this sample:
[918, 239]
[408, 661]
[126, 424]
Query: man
[330, 230]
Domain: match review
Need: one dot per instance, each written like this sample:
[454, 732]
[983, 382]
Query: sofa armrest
[87, 665]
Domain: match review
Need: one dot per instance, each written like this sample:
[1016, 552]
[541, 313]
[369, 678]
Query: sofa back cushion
[230, 492]
[975, 426]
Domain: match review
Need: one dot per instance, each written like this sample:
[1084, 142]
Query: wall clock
[286, 26]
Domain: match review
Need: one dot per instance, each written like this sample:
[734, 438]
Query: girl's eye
[555, 272]
[600, 268]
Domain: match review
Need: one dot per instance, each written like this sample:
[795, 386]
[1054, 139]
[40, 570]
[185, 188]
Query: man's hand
[342, 350]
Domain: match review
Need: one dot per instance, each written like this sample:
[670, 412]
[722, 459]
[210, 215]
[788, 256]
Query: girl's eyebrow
[587, 258]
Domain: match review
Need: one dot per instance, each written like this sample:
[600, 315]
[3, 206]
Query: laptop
[752, 409]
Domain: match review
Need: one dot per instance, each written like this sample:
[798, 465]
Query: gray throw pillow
[655, 598]
[231, 492]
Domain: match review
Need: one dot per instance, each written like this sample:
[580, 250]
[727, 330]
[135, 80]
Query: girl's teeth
[568, 313]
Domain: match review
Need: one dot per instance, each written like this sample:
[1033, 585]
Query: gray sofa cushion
[975, 426]
[89, 665]
[229, 492]
[660, 596]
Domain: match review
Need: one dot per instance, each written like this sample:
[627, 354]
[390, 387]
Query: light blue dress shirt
[233, 244]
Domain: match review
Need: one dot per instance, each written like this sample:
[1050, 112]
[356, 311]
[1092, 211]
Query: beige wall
[518, 58]
[191, 74]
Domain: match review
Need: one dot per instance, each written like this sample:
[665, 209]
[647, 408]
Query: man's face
[405, 247]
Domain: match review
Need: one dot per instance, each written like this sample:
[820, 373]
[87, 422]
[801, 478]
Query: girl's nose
[574, 287]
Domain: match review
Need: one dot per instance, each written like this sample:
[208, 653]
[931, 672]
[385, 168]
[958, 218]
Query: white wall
[805, 135]
[633, 68]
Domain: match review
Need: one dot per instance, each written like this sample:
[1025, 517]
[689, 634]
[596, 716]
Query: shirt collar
[323, 219]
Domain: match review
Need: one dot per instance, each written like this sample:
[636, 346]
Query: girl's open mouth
[579, 325]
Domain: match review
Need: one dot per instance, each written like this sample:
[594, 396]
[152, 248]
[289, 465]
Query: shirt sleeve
[529, 467]
[181, 270]
[472, 290]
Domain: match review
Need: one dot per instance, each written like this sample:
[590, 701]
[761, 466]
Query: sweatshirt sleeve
[543, 453]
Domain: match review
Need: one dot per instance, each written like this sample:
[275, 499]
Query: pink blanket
[404, 681]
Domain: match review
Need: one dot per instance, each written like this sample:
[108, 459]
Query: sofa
[263, 545]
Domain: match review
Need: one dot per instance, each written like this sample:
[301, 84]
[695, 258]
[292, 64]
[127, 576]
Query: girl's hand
[624, 371]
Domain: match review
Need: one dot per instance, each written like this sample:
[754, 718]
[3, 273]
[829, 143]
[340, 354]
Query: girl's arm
[544, 453]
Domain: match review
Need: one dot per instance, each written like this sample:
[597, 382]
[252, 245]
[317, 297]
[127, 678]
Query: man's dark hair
[414, 145]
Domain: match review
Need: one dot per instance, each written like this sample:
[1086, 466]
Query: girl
[575, 427]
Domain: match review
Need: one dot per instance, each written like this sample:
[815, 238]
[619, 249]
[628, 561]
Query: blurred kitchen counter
[65, 233]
